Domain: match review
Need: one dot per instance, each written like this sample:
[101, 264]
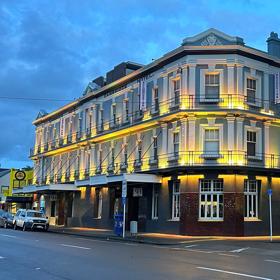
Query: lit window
[211, 141]
[176, 143]
[251, 90]
[251, 143]
[212, 86]
[211, 200]
[155, 203]
[251, 196]
[176, 200]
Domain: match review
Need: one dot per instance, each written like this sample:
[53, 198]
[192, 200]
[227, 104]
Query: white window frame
[155, 195]
[125, 110]
[114, 114]
[172, 95]
[203, 128]
[177, 132]
[251, 197]
[258, 131]
[155, 93]
[210, 193]
[253, 75]
[175, 201]
[209, 71]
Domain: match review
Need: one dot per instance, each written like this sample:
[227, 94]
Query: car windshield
[35, 214]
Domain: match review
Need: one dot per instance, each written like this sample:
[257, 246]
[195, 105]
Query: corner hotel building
[195, 135]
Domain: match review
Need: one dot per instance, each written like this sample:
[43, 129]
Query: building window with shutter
[251, 196]
[176, 144]
[211, 200]
[176, 91]
[211, 142]
[251, 90]
[212, 86]
[251, 143]
[176, 200]
[156, 100]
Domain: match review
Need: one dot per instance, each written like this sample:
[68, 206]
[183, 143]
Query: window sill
[174, 220]
[252, 220]
[254, 158]
[99, 218]
[210, 220]
[211, 156]
[210, 100]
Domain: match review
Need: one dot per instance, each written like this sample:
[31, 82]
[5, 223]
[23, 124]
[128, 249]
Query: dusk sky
[51, 49]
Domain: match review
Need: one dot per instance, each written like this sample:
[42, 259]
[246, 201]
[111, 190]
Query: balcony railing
[184, 160]
[179, 103]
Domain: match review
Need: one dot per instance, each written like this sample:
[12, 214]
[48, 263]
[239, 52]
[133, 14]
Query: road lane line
[190, 246]
[233, 273]
[228, 255]
[74, 246]
[7, 235]
[239, 250]
[2, 257]
[131, 244]
[272, 261]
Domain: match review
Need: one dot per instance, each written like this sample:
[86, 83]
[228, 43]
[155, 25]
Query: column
[230, 123]
[184, 92]
[191, 138]
[82, 162]
[92, 166]
[163, 149]
[164, 105]
[183, 135]
[231, 91]
[239, 136]
[192, 80]
[266, 92]
[240, 81]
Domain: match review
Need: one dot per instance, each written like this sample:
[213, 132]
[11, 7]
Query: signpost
[269, 192]
[124, 194]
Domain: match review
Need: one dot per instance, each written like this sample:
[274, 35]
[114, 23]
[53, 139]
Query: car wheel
[15, 226]
[24, 227]
[5, 225]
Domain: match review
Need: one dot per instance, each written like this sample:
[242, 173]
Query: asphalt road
[39, 255]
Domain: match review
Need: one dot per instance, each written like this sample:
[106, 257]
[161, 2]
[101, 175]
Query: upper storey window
[176, 91]
[212, 86]
[251, 90]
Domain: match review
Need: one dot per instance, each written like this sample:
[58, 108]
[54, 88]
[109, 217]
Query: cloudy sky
[51, 49]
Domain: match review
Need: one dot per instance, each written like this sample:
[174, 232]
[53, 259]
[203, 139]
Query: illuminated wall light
[83, 192]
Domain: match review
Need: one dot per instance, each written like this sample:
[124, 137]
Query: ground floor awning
[52, 187]
[107, 179]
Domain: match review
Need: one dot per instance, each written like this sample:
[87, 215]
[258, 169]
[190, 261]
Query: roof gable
[212, 37]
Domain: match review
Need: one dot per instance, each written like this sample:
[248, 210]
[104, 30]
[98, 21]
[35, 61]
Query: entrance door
[61, 206]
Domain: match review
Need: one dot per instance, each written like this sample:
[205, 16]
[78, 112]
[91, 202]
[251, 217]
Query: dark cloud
[51, 49]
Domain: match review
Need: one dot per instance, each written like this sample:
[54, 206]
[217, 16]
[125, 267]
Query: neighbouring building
[194, 136]
[10, 181]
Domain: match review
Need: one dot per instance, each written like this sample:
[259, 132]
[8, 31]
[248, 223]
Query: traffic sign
[124, 188]
[269, 191]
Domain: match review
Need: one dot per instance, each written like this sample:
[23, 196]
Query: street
[40, 255]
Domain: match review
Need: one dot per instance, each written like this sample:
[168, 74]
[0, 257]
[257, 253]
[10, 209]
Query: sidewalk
[150, 238]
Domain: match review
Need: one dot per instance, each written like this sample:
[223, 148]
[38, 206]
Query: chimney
[273, 45]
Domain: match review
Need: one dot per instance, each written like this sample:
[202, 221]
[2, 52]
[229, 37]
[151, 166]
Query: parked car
[6, 220]
[30, 220]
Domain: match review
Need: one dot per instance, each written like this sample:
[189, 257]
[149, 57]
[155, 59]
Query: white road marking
[239, 250]
[2, 257]
[37, 268]
[194, 250]
[233, 273]
[74, 246]
[272, 261]
[190, 246]
[131, 244]
[7, 235]
[228, 255]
